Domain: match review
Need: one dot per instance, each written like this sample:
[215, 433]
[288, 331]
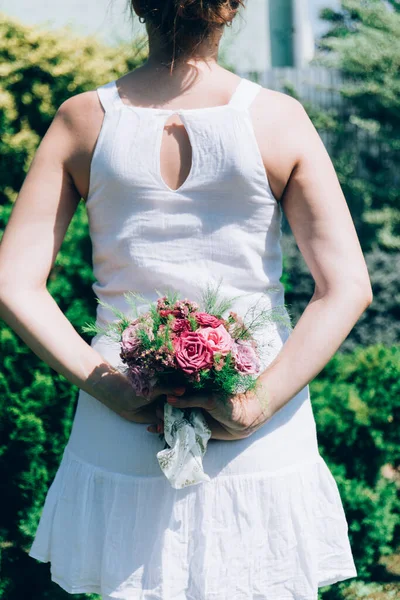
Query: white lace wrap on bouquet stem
[187, 437]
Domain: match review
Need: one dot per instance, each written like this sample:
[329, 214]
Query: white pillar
[303, 38]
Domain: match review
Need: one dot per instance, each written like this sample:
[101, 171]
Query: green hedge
[356, 402]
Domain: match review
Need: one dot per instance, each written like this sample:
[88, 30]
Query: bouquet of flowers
[179, 342]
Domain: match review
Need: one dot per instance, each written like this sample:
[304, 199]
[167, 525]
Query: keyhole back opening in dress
[174, 153]
[174, 158]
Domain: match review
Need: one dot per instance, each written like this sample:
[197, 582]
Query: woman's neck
[204, 54]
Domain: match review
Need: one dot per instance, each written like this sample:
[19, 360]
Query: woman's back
[279, 147]
[221, 222]
[263, 526]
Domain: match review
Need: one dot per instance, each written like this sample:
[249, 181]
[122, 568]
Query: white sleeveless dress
[270, 524]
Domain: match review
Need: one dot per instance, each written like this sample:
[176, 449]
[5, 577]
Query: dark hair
[184, 24]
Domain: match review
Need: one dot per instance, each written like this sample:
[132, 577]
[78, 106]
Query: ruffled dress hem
[93, 589]
[263, 535]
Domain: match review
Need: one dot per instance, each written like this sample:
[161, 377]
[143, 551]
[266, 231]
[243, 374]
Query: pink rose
[192, 352]
[245, 357]
[130, 342]
[218, 338]
[141, 379]
[207, 320]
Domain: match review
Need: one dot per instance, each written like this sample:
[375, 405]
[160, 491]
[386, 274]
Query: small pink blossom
[245, 357]
[186, 306]
[218, 338]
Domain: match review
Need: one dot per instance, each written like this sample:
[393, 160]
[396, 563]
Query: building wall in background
[247, 43]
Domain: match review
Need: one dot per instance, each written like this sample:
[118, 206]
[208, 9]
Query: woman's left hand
[234, 418]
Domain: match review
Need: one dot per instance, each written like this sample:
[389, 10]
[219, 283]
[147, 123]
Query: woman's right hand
[113, 389]
[218, 432]
[151, 412]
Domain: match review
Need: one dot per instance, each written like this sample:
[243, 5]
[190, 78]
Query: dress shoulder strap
[245, 93]
[108, 95]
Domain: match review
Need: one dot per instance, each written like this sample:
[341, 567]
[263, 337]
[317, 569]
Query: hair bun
[214, 12]
[182, 24]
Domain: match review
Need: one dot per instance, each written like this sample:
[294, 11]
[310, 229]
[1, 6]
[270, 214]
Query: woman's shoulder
[278, 120]
[78, 121]
[81, 110]
[279, 105]
[291, 127]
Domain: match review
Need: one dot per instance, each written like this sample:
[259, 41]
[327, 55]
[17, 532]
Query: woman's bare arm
[39, 220]
[320, 220]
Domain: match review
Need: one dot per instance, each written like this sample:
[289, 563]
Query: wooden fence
[317, 85]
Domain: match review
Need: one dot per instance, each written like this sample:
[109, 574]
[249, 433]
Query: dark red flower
[180, 325]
